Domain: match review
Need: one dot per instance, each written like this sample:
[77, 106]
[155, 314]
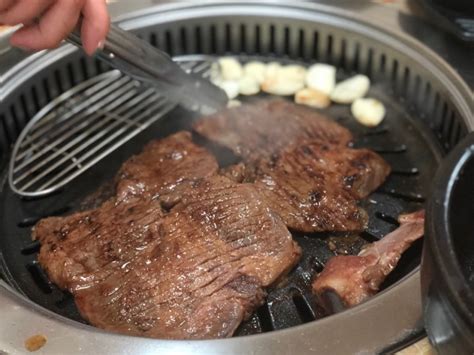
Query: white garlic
[351, 89]
[284, 80]
[255, 70]
[231, 88]
[321, 77]
[313, 98]
[234, 103]
[367, 111]
[230, 68]
[249, 86]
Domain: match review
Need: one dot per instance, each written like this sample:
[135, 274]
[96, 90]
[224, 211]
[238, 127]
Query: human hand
[48, 22]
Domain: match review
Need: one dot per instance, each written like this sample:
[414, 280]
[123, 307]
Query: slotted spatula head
[137, 58]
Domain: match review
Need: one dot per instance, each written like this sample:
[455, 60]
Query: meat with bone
[355, 278]
[194, 273]
[261, 129]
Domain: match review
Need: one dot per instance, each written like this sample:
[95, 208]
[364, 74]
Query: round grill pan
[428, 113]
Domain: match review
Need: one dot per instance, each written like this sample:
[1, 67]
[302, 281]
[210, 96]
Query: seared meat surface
[354, 278]
[184, 250]
[316, 187]
[193, 272]
[164, 167]
[300, 161]
[259, 130]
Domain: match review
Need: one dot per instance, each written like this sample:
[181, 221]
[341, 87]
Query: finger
[6, 4]
[57, 22]
[95, 25]
[24, 11]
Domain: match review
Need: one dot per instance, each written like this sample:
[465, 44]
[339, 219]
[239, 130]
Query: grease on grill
[350, 244]
[411, 167]
[35, 342]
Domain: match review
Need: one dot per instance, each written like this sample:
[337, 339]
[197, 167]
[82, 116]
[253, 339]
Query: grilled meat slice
[355, 278]
[315, 187]
[194, 273]
[261, 129]
[164, 167]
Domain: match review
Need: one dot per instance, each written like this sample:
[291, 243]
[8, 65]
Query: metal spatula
[137, 58]
[91, 120]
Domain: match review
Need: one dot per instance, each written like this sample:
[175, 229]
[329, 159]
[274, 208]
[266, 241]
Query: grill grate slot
[31, 248]
[409, 197]
[265, 318]
[31, 221]
[39, 277]
[303, 307]
[409, 172]
[369, 237]
[387, 218]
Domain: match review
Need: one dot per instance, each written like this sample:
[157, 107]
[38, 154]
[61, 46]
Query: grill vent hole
[84, 69]
[370, 60]
[408, 197]
[258, 39]
[153, 40]
[316, 264]
[369, 237]
[25, 109]
[406, 82]
[243, 39]
[383, 63]
[426, 98]
[408, 172]
[31, 221]
[387, 218]
[287, 50]
[329, 48]
[436, 108]
[213, 39]
[57, 78]
[443, 119]
[31, 248]
[315, 45]
[46, 90]
[272, 48]
[39, 277]
[457, 132]
[356, 63]
[394, 75]
[228, 39]
[184, 40]
[395, 149]
[71, 76]
[450, 127]
[37, 103]
[304, 310]
[265, 318]
[301, 45]
[12, 125]
[4, 133]
[197, 39]
[169, 43]
[343, 61]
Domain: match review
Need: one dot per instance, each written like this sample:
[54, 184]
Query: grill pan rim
[396, 39]
[410, 278]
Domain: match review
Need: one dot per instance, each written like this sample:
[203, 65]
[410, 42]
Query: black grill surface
[407, 145]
